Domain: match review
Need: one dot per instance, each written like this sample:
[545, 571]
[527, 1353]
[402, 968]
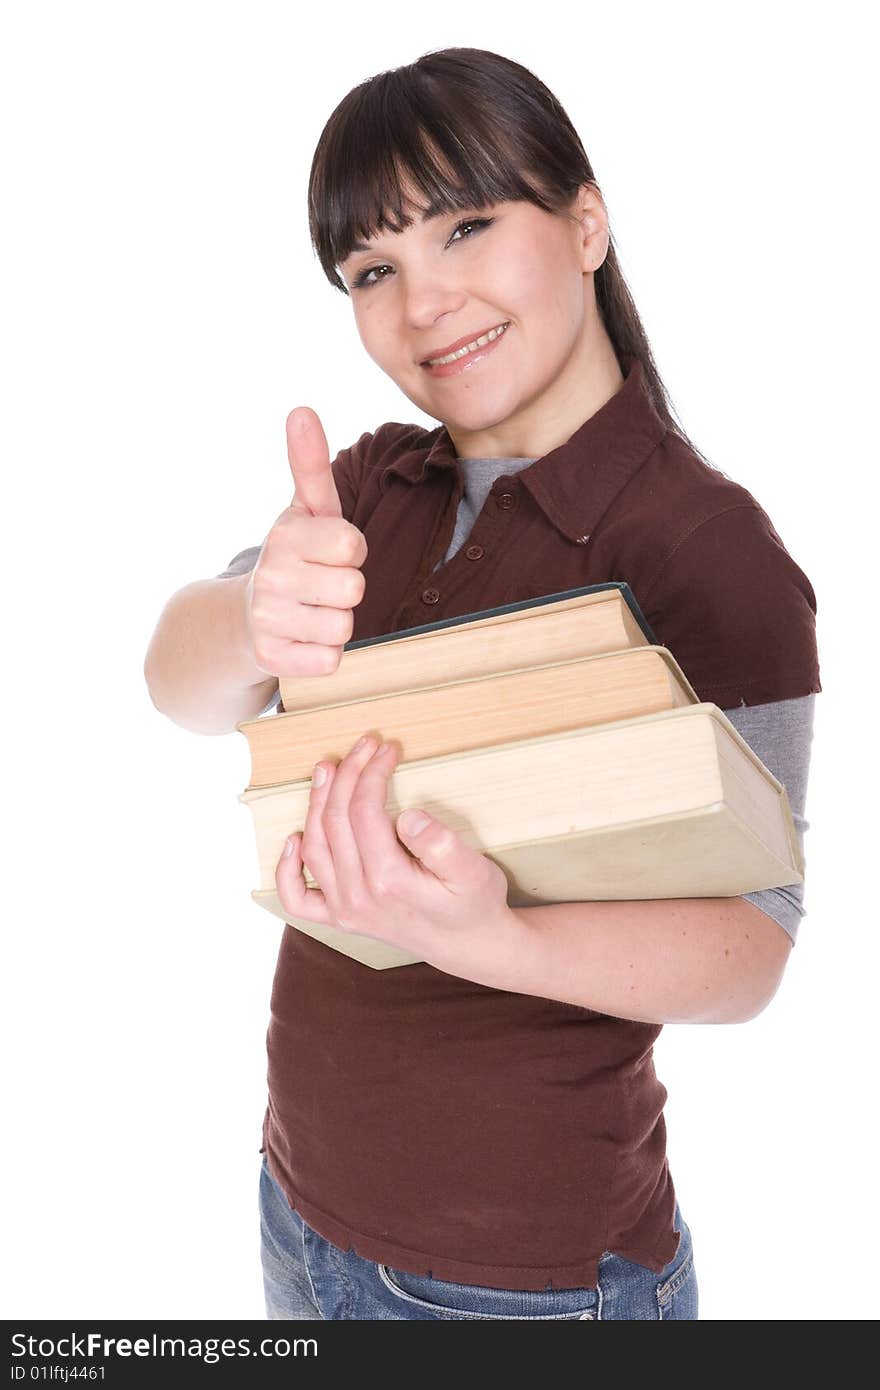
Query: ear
[593, 232]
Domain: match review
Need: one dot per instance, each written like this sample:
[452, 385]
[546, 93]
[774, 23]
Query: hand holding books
[307, 579]
[554, 736]
[445, 902]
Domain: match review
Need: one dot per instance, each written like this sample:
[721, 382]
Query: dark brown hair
[465, 127]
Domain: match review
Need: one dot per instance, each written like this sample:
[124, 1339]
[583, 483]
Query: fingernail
[360, 743]
[288, 847]
[319, 775]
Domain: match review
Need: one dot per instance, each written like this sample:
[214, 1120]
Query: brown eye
[362, 281]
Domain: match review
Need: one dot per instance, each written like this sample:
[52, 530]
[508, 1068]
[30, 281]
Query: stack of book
[556, 736]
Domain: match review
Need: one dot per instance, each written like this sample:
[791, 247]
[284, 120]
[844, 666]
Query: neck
[591, 377]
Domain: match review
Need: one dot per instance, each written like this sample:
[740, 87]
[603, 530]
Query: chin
[469, 408]
[476, 411]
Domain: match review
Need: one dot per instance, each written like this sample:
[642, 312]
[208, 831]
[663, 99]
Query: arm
[680, 960]
[199, 667]
[669, 960]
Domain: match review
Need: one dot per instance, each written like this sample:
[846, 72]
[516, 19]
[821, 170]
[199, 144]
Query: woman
[481, 1135]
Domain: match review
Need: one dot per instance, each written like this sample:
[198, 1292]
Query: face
[458, 275]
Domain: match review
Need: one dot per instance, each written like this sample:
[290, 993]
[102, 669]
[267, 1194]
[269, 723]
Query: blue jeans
[304, 1276]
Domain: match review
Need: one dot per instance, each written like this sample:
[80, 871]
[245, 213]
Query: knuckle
[284, 896]
[263, 654]
[353, 541]
[353, 589]
[259, 617]
[344, 625]
[496, 877]
[268, 577]
[381, 885]
[308, 850]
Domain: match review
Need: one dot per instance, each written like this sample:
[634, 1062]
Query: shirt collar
[577, 481]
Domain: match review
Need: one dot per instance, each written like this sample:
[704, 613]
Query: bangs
[405, 144]
[460, 129]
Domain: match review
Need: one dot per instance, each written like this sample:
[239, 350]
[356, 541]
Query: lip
[470, 359]
[461, 342]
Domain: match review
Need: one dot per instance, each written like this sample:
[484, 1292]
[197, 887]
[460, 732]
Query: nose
[428, 303]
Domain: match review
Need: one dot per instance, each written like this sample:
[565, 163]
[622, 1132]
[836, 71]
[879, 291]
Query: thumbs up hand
[307, 579]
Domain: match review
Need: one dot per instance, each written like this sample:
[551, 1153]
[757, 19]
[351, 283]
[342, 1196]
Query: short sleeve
[241, 563]
[736, 612]
[781, 734]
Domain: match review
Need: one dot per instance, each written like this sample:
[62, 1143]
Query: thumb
[309, 458]
[438, 847]
[412, 823]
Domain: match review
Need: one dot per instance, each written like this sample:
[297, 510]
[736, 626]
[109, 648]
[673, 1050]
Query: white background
[163, 311]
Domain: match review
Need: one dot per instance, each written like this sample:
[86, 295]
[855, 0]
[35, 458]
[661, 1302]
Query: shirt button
[431, 596]
[506, 501]
[582, 540]
[474, 552]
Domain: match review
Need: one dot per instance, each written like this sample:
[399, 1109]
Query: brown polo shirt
[434, 1124]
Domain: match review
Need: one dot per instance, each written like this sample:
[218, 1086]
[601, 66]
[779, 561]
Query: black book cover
[621, 584]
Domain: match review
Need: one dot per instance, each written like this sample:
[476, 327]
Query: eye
[473, 222]
[362, 281]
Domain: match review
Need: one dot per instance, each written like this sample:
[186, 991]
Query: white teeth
[469, 347]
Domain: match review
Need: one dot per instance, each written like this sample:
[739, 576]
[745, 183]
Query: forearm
[668, 960]
[200, 668]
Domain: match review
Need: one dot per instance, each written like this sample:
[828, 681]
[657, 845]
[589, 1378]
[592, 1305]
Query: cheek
[510, 282]
[542, 307]
[556, 299]
[531, 284]
[380, 336]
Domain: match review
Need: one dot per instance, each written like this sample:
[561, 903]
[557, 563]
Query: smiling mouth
[475, 345]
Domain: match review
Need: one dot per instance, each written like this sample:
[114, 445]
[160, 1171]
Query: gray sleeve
[240, 564]
[781, 733]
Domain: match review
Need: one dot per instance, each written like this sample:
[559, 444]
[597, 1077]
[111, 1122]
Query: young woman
[481, 1135]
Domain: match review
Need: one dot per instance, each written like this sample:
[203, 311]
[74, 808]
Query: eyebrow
[434, 210]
